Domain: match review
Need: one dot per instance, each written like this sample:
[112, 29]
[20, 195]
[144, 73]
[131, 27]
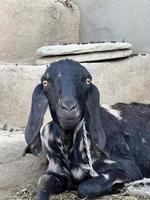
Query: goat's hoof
[81, 193]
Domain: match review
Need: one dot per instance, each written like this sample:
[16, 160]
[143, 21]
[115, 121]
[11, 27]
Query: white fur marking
[66, 170]
[143, 140]
[76, 131]
[115, 113]
[59, 74]
[84, 198]
[109, 162]
[77, 173]
[53, 166]
[106, 176]
[117, 181]
[58, 101]
[83, 155]
[47, 75]
[46, 136]
[93, 173]
[81, 146]
[85, 166]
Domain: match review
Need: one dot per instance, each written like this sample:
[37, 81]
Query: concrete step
[69, 49]
[87, 57]
[90, 52]
[15, 169]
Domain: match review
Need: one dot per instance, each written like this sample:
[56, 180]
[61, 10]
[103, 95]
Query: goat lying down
[89, 147]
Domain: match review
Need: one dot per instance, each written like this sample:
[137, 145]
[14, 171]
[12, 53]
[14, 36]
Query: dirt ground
[29, 193]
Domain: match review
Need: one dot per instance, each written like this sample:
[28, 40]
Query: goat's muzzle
[68, 113]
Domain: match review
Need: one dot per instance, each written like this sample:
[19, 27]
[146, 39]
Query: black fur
[88, 147]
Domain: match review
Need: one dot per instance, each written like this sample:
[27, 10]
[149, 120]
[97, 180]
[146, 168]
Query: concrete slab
[87, 57]
[54, 50]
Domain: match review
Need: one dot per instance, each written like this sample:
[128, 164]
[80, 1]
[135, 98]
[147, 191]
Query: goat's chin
[69, 124]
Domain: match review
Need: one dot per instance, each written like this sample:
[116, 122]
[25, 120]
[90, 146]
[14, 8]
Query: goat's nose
[69, 105]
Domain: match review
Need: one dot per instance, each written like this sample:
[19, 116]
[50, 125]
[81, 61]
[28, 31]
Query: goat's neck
[67, 140]
[68, 137]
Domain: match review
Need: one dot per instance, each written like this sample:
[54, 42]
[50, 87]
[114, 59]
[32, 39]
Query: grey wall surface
[119, 20]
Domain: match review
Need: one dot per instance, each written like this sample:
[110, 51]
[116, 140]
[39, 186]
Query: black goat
[93, 148]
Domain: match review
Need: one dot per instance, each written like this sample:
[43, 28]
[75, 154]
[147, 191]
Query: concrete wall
[27, 25]
[118, 20]
[123, 80]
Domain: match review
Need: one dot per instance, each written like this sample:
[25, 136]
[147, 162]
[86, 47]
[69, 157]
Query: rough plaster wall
[118, 20]
[16, 170]
[125, 80]
[26, 25]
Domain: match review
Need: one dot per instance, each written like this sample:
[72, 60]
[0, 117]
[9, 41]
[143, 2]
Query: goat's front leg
[111, 174]
[99, 185]
[50, 183]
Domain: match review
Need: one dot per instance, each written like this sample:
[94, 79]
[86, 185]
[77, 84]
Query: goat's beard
[69, 124]
[67, 121]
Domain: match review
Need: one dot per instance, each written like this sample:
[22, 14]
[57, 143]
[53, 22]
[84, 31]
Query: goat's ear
[32, 130]
[96, 130]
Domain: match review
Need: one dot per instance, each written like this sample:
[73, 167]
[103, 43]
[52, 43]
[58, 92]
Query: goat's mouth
[69, 122]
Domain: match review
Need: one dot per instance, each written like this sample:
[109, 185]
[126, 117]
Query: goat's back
[128, 133]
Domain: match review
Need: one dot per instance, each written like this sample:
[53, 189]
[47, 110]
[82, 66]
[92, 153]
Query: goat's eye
[45, 83]
[88, 81]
